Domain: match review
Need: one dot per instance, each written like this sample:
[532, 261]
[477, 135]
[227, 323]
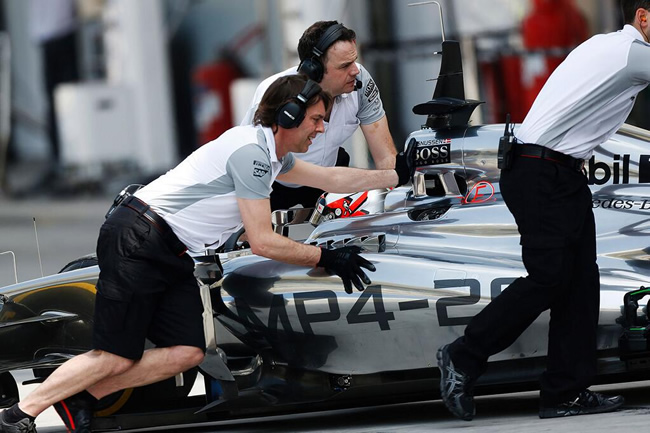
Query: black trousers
[284, 197]
[552, 206]
[146, 288]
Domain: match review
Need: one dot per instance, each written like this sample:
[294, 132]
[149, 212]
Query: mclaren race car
[283, 338]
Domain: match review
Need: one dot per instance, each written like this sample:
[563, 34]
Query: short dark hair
[310, 38]
[629, 8]
[281, 91]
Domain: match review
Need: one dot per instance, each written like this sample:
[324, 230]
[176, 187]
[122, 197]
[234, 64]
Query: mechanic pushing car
[146, 286]
[545, 188]
[328, 54]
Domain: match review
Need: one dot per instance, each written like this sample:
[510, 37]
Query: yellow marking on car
[126, 394]
[84, 286]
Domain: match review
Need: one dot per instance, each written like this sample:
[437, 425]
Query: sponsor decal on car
[433, 152]
[479, 193]
[368, 307]
[617, 171]
[620, 204]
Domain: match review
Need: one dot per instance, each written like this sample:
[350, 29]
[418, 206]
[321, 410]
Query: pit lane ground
[68, 229]
[498, 414]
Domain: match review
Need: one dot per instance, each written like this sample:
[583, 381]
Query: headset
[313, 66]
[291, 114]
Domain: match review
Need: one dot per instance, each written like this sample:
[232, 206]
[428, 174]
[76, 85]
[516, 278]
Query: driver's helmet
[331, 206]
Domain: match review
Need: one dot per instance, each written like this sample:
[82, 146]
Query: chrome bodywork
[443, 257]
[443, 248]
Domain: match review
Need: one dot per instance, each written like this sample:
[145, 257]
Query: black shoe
[25, 425]
[76, 412]
[585, 403]
[455, 387]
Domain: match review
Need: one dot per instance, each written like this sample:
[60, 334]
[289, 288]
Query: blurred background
[95, 94]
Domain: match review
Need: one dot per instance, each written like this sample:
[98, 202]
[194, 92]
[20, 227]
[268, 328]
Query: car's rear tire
[157, 395]
[8, 390]
[80, 263]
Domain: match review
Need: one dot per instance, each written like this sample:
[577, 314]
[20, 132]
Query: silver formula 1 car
[284, 338]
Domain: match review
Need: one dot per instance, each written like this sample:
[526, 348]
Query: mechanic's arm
[344, 262]
[256, 215]
[345, 179]
[339, 179]
[380, 143]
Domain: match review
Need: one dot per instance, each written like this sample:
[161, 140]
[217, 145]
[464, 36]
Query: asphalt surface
[68, 228]
[62, 230]
[514, 413]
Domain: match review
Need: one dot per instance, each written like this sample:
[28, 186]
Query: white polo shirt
[589, 96]
[360, 107]
[198, 198]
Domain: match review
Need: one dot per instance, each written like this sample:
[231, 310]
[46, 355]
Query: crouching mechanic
[146, 286]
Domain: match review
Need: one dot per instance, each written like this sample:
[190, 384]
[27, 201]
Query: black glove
[405, 163]
[346, 263]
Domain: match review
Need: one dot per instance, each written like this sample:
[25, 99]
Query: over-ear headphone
[292, 113]
[313, 66]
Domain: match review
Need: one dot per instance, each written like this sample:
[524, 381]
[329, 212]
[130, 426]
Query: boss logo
[433, 152]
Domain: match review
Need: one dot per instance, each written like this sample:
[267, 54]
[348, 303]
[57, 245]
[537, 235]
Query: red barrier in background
[513, 80]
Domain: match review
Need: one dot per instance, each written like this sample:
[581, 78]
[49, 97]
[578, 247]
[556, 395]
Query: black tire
[8, 390]
[80, 263]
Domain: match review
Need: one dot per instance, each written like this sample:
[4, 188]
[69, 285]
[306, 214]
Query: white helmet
[331, 206]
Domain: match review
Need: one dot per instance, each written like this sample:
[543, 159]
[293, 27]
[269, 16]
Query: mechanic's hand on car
[405, 163]
[347, 263]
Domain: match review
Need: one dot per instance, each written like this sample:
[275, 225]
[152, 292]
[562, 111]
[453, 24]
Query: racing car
[284, 338]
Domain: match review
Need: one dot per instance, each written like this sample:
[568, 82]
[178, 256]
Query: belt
[529, 150]
[157, 222]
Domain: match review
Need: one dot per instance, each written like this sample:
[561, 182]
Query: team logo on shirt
[372, 91]
[260, 169]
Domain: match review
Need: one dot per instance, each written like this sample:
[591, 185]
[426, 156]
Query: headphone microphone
[358, 84]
